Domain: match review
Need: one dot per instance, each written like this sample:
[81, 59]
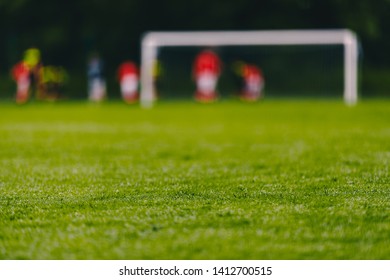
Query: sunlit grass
[274, 180]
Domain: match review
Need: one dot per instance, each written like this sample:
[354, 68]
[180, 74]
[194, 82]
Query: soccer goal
[293, 61]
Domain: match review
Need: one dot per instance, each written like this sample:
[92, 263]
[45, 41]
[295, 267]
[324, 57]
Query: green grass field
[275, 180]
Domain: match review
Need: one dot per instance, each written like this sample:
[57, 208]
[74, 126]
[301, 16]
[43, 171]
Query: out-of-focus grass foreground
[277, 179]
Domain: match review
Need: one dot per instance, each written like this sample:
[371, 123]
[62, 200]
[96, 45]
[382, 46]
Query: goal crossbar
[153, 40]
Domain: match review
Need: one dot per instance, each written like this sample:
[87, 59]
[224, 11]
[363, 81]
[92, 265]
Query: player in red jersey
[128, 77]
[253, 81]
[21, 74]
[206, 71]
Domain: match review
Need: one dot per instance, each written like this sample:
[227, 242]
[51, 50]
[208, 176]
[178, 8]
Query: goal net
[294, 63]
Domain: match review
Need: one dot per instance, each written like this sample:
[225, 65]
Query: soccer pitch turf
[274, 180]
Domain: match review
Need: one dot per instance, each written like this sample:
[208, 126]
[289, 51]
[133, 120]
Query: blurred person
[252, 81]
[53, 79]
[20, 72]
[96, 81]
[206, 71]
[128, 76]
[32, 58]
[158, 72]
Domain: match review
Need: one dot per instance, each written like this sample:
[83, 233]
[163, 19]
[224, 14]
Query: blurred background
[67, 31]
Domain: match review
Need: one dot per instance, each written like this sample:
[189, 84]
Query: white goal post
[154, 40]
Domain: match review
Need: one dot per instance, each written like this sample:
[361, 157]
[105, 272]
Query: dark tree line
[66, 30]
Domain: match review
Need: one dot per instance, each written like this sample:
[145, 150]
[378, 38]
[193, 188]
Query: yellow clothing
[32, 57]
